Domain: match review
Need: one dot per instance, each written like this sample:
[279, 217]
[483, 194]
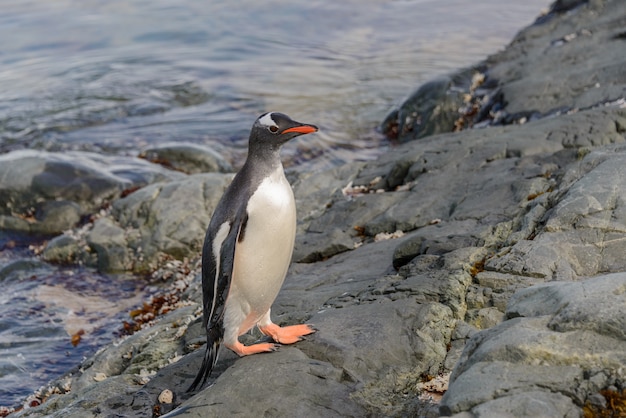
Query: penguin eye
[273, 129]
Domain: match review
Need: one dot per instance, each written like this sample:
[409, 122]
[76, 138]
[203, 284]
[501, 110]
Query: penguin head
[273, 129]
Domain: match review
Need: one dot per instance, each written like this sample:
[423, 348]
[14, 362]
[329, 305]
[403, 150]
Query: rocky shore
[492, 257]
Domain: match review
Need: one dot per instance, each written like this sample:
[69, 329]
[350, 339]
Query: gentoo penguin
[248, 248]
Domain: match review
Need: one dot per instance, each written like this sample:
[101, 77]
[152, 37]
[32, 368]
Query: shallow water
[115, 76]
[53, 317]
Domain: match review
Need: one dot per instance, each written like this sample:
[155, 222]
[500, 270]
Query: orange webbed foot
[287, 335]
[246, 350]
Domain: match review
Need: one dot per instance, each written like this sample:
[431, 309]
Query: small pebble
[99, 377]
[167, 396]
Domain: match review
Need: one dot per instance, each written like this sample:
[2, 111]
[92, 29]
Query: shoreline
[465, 237]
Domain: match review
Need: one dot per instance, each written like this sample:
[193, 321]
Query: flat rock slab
[287, 383]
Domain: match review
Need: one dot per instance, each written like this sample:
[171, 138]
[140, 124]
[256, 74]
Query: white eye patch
[267, 120]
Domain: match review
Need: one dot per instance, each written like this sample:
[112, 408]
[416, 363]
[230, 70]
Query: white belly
[263, 257]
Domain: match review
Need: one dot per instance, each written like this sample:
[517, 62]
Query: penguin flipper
[215, 287]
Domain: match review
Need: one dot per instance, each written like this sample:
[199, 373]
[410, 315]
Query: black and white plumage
[248, 247]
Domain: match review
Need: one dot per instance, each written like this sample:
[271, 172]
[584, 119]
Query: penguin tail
[208, 362]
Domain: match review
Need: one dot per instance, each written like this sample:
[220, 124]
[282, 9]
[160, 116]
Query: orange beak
[304, 129]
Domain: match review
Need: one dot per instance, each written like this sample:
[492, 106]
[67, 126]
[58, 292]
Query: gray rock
[20, 269]
[353, 296]
[317, 246]
[169, 218]
[577, 305]
[47, 193]
[520, 84]
[525, 69]
[489, 380]
[316, 191]
[581, 232]
[187, 157]
[109, 242]
[425, 299]
[533, 404]
[336, 230]
[298, 386]
[56, 215]
[565, 338]
[156, 221]
[433, 108]
[408, 250]
[347, 338]
[61, 249]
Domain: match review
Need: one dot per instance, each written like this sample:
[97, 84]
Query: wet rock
[56, 215]
[109, 242]
[61, 249]
[47, 193]
[20, 269]
[433, 108]
[187, 157]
